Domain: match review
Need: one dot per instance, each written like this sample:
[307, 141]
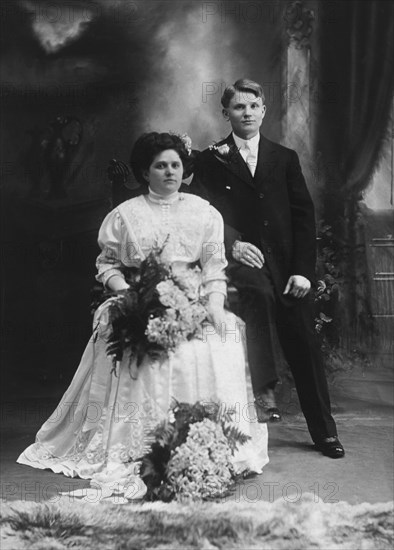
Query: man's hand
[297, 286]
[248, 254]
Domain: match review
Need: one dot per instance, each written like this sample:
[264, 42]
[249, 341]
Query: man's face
[245, 113]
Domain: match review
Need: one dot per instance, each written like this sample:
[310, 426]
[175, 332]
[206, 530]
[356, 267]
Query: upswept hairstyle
[242, 85]
[151, 144]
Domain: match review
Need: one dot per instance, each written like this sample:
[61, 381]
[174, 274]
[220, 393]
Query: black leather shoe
[330, 446]
[265, 414]
[266, 409]
[275, 415]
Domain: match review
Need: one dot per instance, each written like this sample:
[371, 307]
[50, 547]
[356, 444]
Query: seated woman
[102, 424]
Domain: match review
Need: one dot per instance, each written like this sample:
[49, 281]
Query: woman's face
[165, 173]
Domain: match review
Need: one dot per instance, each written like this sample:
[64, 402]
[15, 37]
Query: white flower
[195, 471]
[223, 150]
[187, 142]
[171, 296]
[164, 287]
[189, 280]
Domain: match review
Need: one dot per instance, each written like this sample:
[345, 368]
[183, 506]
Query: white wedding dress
[102, 424]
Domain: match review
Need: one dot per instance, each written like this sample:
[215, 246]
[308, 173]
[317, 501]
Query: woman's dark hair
[149, 145]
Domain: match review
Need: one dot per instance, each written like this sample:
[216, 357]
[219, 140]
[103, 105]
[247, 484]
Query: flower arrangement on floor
[160, 309]
[190, 456]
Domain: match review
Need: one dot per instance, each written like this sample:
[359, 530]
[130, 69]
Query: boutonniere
[224, 153]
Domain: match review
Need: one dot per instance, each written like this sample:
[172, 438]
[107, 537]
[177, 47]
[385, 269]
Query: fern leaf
[234, 436]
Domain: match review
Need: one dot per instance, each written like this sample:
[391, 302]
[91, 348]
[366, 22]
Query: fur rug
[280, 525]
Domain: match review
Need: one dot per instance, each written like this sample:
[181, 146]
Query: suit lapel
[235, 163]
[265, 162]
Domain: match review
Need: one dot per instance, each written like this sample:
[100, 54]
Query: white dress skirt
[102, 424]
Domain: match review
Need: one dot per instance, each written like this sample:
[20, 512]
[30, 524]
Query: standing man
[258, 187]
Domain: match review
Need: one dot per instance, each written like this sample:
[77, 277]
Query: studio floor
[365, 474]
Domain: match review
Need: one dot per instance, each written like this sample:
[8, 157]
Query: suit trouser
[278, 332]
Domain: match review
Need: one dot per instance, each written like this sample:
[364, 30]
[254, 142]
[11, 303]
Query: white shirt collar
[253, 142]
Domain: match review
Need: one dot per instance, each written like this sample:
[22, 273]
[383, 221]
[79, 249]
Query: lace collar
[156, 198]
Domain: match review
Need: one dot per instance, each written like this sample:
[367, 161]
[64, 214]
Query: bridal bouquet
[190, 457]
[160, 309]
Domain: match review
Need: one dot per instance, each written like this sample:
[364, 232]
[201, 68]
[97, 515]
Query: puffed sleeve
[213, 259]
[108, 262]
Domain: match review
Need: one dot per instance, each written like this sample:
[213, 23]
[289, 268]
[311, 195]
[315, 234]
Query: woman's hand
[116, 283]
[217, 317]
[216, 313]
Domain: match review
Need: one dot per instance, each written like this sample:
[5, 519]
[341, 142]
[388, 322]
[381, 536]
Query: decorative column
[296, 116]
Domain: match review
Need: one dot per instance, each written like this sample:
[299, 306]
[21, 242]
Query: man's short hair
[242, 85]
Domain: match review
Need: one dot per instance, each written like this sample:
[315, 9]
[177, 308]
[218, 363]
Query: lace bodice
[190, 229]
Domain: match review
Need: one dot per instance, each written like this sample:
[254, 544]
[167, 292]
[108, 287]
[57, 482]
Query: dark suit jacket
[272, 210]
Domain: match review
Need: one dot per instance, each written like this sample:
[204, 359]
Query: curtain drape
[356, 58]
[370, 90]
